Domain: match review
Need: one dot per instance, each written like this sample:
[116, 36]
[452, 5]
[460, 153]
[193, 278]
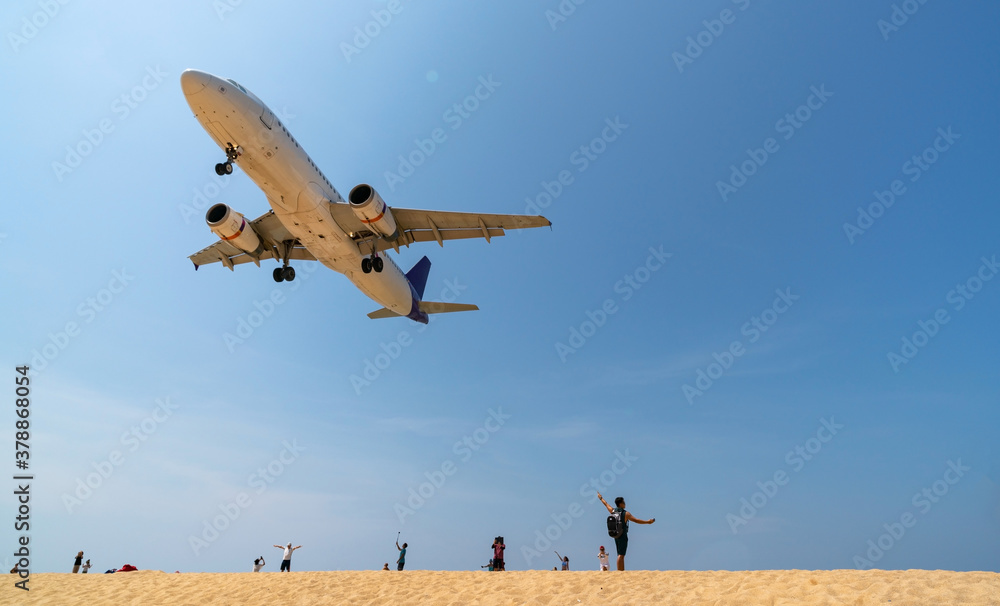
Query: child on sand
[603, 557]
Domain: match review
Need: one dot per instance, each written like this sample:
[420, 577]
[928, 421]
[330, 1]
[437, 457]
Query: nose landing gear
[232, 153]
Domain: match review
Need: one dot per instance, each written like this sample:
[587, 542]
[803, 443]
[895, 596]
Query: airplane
[309, 220]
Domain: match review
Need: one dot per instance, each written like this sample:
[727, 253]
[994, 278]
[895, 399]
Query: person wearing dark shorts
[286, 558]
[402, 556]
[621, 543]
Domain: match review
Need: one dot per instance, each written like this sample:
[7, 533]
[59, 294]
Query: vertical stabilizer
[418, 275]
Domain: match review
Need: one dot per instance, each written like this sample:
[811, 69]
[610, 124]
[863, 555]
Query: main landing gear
[226, 168]
[285, 273]
[368, 264]
[282, 274]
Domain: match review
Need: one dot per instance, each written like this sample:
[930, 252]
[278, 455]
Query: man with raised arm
[621, 543]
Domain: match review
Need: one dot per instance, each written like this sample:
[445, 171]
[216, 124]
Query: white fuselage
[295, 187]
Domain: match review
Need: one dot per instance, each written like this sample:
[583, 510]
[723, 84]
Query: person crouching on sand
[621, 543]
[258, 564]
[286, 558]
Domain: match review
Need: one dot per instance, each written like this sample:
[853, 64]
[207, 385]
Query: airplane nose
[193, 81]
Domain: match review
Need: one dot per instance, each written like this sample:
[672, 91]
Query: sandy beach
[902, 588]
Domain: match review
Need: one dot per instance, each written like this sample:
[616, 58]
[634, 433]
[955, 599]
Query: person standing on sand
[258, 564]
[77, 562]
[85, 567]
[565, 561]
[286, 558]
[498, 547]
[603, 557]
[401, 561]
[621, 543]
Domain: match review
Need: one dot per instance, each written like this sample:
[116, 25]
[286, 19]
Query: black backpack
[617, 524]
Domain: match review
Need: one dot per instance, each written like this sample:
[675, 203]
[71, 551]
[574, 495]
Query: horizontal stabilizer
[428, 307]
[435, 307]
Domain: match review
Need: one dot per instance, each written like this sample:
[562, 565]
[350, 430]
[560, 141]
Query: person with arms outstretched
[621, 543]
[286, 558]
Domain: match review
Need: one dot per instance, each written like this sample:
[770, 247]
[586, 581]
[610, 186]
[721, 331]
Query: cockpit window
[237, 85]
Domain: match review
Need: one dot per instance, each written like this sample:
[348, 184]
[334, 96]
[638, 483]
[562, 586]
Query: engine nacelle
[233, 227]
[372, 211]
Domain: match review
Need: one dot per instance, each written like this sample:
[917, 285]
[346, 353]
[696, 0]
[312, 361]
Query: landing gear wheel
[220, 169]
[278, 274]
[377, 264]
[228, 167]
[366, 265]
[288, 273]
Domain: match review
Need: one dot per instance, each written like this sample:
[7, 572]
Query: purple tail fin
[417, 276]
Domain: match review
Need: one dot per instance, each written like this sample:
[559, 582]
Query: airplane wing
[432, 225]
[271, 232]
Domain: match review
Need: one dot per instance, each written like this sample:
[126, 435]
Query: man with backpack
[618, 526]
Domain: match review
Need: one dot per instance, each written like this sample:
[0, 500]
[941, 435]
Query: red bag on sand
[127, 568]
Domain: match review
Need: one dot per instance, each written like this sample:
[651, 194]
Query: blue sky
[748, 384]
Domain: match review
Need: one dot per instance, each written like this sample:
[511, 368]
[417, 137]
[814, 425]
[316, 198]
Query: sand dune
[854, 587]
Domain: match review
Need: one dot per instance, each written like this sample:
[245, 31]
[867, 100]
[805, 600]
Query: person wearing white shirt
[286, 558]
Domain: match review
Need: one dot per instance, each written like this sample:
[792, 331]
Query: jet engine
[373, 212]
[233, 227]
